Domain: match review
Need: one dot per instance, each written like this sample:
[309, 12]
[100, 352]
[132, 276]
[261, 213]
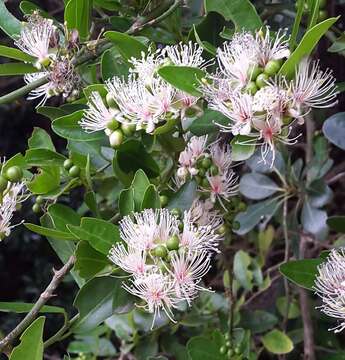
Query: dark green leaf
[126, 202]
[337, 223]
[21, 307]
[184, 198]
[151, 199]
[200, 347]
[77, 16]
[16, 68]
[8, 23]
[57, 234]
[112, 65]
[207, 123]
[258, 321]
[16, 54]
[51, 112]
[139, 185]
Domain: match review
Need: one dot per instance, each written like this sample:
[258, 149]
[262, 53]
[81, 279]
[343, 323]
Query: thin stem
[44, 297]
[61, 332]
[286, 258]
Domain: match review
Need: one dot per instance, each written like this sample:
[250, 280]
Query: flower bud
[116, 138]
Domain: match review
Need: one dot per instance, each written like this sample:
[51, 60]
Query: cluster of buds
[166, 257]
[40, 38]
[257, 100]
[211, 167]
[143, 100]
[12, 191]
[330, 287]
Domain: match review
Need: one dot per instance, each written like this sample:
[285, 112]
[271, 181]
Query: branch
[44, 297]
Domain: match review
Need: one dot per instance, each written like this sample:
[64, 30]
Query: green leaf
[47, 180]
[185, 78]
[277, 342]
[242, 262]
[97, 300]
[16, 160]
[51, 112]
[8, 23]
[62, 215]
[334, 129]
[128, 46]
[295, 28]
[314, 220]
[100, 88]
[185, 196]
[207, 123]
[301, 272]
[89, 262]
[44, 231]
[16, 68]
[21, 307]
[28, 7]
[151, 199]
[242, 149]
[67, 127]
[254, 213]
[132, 156]
[100, 234]
[112, 5]
[77, 15]
[338, 45]
[258, 321]
[257, 186]
[40, 139]
[139, 185]
[337, 223]
[43, 157]
[241, 12]
[306, 46]
[289, 306]
[112, 65]
[126, 201]
[31, 342]
[200, 347]
[16, 54]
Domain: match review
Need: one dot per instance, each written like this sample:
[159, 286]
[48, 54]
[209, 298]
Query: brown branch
[44, 297]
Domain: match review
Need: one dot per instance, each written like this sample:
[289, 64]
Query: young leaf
[31, 342]
[277, 342]
[139, 185]
[77, 16]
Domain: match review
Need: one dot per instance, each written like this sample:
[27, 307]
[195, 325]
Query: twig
[335, 178]
[44, 297]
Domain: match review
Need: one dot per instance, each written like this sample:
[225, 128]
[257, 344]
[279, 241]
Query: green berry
[322, 15]
[39, 200]
[205, 183]
[36, 208]
[251, 88]
[198, 179]
[112, 125]
[74, 171]
[163, 200]
[228, 343]
[180, 226]
[110, 100]
[261, 80]
[160, 251]
[201, 172]
[230, 353]
[272, 67]
[242, 206]
[223, 350]
[128, 129]
[173, 243]
[3, 183]
[67, 164]
[237, 350]
[14, 174]
[175, 212]
[116, 138]
[222, 229]
[254, 71]
[236, 225]
[206, 163]
[214, 170]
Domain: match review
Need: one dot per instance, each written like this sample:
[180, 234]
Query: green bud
[173, 243]
[175, 212]
[272, 67]
[214, 170]
[163, 200]
[180, 226]
[237, 350]
[323, 15]
[223, 350]
[198, 179]
[112, 125]
[36, 208]
[261, 80]
[74, 171]
[67, 164]
[227, 343]
[242, 206]
[236, 225]
[230, 353]
[160, 251]
[205, 183]
[3, 183]
[251, 88]
[206, 163]
[222, 229]
[116, 138]
[128, 129]
[45, 62]
[201, 172]
[14, 174]
[254, 71]
[110, 100]
[39, 200]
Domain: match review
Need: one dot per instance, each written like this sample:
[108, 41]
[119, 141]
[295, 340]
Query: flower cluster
[210, 166]
[166, 257]
[40, 39]
[143, 100]
[258, 101]
[330, 286]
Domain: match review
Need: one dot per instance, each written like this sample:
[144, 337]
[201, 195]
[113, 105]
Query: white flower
[222, 186]
[330, 287]
[313, 87]
[157, 290]
[35, 38]
[187, 270]
[195, 148]
[221, 156]
[203, 213]
[145, 230]
[44, 91]
[97, 116]
[271, 48]
[14, 195]
[185, 55]
[130, 259]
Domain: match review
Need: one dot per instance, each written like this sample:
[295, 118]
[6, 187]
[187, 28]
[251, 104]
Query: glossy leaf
[16, 68]
[277, 342]
[207, 123]
[31, 342]
[8, 23]
[301, 272]
[40, 139]
[77, 16]
[57, 234]
[334, 129]
[21, 307]
[126, 202]
[43, 157]
[257, 186]
[139, 185]
[48, 179]
[112, 65]
[151, 199]
[306, 46]
[184, 78]
[16, 54]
